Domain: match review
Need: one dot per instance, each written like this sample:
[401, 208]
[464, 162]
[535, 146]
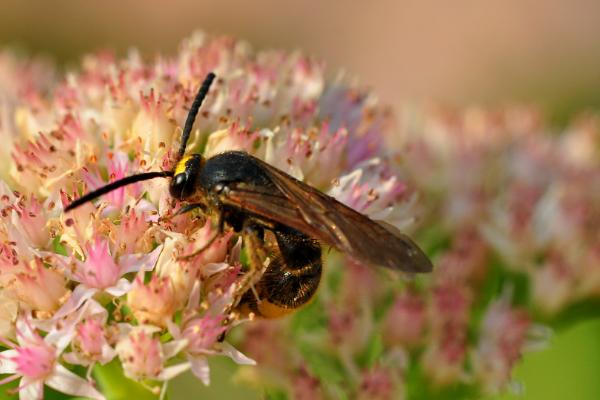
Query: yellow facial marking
[180, 168]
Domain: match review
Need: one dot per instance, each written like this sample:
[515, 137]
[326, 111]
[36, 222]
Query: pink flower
[183, 273]
[134, 234]
[444, 358]
[201, 334]
[99, 270]
[377, 385]
[502, 340]
[143, 355]
[46, 164]
[91, 338]
[118, 168]
[100, 273]
[314, 155]
[476, 186]
[466, 261]
[236, 137]
[153, 124]
[553, 283]
[369, 189]
[34, 360]
[406, 322]
[30, 217]
[450, 305]
[306, 387]
[215, 253]
[90, 343]
[153, 302]
[39, 287]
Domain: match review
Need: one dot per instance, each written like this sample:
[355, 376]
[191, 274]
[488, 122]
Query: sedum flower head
[111, 270]
[494, 200]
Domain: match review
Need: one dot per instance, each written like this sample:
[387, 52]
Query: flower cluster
[105, 284]
[508, 211]
[527, 195]
[505, 210]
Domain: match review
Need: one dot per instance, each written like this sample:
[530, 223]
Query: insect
[243, 193]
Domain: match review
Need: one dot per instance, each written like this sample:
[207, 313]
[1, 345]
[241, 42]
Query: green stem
[115, 386]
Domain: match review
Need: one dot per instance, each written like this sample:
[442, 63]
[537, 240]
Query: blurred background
[469, 52]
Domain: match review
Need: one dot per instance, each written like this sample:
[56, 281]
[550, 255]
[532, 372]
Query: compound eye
[177, 187]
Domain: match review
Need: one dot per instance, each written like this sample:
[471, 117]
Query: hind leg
[253, 239]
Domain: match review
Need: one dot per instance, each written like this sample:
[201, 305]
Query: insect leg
[219, 232]
[191, 207]
[252, 235]
[186, 209]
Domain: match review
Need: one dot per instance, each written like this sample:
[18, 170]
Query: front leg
[220, 228]
[191, 207]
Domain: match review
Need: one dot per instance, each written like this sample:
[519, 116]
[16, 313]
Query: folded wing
[302, 207]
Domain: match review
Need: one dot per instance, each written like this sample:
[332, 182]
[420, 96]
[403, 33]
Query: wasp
[243, 193]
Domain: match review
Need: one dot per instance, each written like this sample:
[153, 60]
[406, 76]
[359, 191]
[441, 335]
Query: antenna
[128, 180]
[191, 117]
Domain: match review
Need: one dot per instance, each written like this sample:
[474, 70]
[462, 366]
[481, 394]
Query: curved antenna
[191, 117]
[128, 180]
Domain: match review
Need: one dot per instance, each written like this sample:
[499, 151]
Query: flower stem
[116, 386]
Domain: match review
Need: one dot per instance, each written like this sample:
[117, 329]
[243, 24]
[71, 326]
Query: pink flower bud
[152, 124]
[443, 361]
[202, 333]
[503, 336]
[90, 338]
[154, 302]
[99, 269]
[376, 384]
[41, 288]
[140, 354]
[406, 322]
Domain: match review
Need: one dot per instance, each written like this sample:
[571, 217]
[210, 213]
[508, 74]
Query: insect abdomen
[291, 279]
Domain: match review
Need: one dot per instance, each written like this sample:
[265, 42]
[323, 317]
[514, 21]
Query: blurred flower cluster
[507, 211]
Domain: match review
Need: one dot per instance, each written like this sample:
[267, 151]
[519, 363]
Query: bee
[241, 192]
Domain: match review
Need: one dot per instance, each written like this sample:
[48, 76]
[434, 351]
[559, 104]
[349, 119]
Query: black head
[185, 178]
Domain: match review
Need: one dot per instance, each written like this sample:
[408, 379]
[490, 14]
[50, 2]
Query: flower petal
[108, 353]
[61, 338]
[30, 389]
[200, 369]
[173, 329]
[212, 268]
[172, 371]
[171, 348]
[75, 359]
[236, 355]
[24, 330]
[67, 382]
[122, 287]
[194, 298]
[79, 295]
[137, 262]
[7, 365]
